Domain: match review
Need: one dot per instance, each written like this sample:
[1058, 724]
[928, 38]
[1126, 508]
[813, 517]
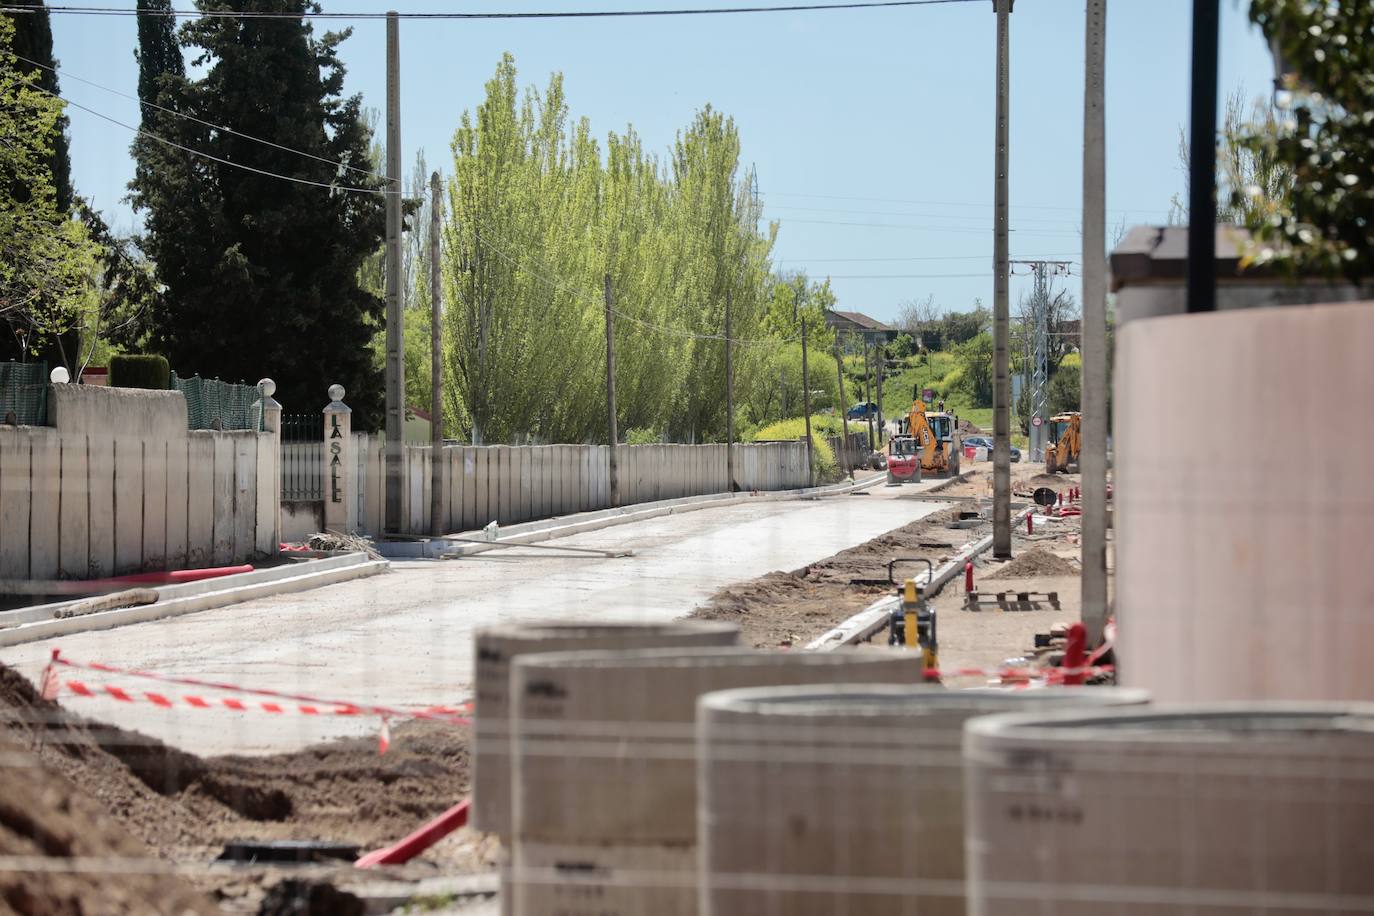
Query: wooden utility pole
[806, 404]
[844, 412]
[1001, 377]
[395, 316]
[1093, 459]
[729, 402]
[436, 376]
[612, 434]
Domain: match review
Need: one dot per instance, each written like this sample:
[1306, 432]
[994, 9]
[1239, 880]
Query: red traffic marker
[968, 577]
[1030, 523]
[1075, 654]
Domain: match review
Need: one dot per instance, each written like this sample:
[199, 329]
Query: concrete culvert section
[494, 650]
[847, 799]
[605, 766]
[1186, 810]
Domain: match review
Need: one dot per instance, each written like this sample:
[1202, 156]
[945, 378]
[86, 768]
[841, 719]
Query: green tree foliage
[46, 257]
[158, 53]
[1251, 179]
[32, 41]
[777, 392]
[975, 357]
[961, 327]
[1066, 389]
[1326, 224]
[260, 273]
[538, 215]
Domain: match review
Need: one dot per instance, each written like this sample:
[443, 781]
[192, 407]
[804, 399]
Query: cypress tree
[158, 53]
[260, 274]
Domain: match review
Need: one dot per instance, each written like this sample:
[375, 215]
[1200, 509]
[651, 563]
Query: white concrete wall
[139, 494]
[513, 484]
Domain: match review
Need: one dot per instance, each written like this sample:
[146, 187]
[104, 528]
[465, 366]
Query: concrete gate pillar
[338, 461]
[269, 467]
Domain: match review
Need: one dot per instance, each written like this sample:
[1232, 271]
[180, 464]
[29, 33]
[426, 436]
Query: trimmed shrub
[140, 370]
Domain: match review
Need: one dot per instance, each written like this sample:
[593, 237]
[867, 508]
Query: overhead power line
[330, 186]
[66, 74]
[537, 14]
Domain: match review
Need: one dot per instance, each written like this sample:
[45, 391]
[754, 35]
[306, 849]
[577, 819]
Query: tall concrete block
[267, 522]
[15, 486]
[485, 509]
[222, 495]
[245, 494]
[177, 503]
[453, 481]
[522, 486]
[200, 490]
[505, 488]
[154, 506]
[557, 483]
[603, 476]
[45, 504]
[128, 506]
[74, 511]
[376, 495]
[466, 471]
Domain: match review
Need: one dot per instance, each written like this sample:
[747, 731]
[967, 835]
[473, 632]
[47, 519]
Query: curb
[176, 600]
[874, 618]
[567, 525]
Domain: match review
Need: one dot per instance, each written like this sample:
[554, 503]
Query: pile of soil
[184, 808]
[793, 608]
[1036, 563]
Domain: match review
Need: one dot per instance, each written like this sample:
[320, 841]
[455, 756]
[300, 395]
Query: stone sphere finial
[267, 387]
[60, 376]
[336, 392]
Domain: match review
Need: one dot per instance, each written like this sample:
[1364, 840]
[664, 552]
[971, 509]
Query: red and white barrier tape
[277, 702]
[1014, 675]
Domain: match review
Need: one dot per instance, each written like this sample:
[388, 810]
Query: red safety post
[1030, 523]
[968, 577]
[1075, 654]
[1061, 500]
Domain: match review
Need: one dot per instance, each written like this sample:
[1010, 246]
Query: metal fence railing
[302, 456]
[212, 404]
[24, 394]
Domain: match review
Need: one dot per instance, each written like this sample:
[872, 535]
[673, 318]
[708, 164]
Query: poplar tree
[261, 272]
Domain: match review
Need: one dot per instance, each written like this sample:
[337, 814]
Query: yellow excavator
[1065, 441]
[937, 439]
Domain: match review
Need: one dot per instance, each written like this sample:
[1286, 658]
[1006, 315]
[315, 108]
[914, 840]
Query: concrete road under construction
[404, 638]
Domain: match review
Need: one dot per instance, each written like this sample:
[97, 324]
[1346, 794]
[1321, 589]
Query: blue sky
[852, 118]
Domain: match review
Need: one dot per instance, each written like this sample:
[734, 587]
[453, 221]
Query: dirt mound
[184, 808]
[1034, 563]
[49, 812]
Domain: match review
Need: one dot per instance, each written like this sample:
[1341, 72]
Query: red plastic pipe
[176, 577]
[968, 577]
[1030, 523]
[420, 840]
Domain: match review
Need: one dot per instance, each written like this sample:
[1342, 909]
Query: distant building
[859, 323]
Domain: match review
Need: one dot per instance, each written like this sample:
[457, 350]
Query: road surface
[404, 638]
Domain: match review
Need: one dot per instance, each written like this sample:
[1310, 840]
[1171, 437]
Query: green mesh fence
[24, 392]
[212, 404]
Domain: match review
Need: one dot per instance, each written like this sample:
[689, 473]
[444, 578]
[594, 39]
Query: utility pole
[1202, 162]
[729, 402]
[1001, 380]
[1040, 349]
[844, 413]
[613, 435]
[1092, 461]
[395, 317]
[880, 355]
[436, 377]
[868, 390]
[806, 403]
